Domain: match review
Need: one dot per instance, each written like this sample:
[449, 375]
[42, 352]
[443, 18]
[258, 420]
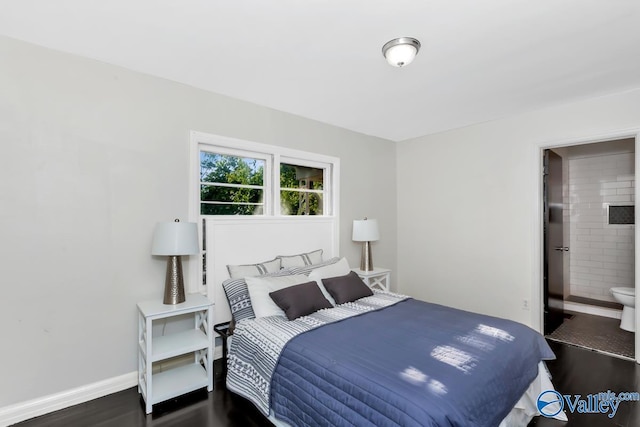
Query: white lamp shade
[365, 230]
[175, 238]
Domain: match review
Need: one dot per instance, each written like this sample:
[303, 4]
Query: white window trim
[274, 155]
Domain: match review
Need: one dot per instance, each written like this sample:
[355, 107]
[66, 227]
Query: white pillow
[240, 271]
[340, 268]
[300, 260]
[259, 288]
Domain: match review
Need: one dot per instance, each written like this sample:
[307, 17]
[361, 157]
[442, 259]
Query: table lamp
[366, 230]
[175, 239]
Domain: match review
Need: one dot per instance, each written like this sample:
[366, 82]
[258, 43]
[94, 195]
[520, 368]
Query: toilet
[626, 297]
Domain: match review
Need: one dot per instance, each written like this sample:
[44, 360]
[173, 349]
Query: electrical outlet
[525, 304]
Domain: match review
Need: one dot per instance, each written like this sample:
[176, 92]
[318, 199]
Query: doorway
[586, 252]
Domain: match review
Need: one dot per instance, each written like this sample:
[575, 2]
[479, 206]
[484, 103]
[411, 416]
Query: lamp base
[366, 260]
[174, 284]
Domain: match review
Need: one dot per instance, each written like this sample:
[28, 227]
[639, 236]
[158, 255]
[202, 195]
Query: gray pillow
[300, 300]
[346, 288]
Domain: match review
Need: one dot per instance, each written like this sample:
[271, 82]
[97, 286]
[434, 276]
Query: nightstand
[379, 278]
[222, 329]
[198, 340]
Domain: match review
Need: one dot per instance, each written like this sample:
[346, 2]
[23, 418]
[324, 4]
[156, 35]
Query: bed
[371, 359]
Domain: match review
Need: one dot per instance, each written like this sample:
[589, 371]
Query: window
[242, 178]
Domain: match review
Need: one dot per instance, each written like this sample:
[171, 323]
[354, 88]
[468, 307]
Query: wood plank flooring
[576, 371]
[219, 408]
[580, 371]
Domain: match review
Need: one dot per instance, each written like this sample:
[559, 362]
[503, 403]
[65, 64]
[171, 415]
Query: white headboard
[258, 239]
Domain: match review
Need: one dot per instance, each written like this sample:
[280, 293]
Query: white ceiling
[480, 59]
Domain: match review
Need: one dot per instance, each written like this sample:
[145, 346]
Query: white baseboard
[43, 405]
[54, 402]
[592, 309]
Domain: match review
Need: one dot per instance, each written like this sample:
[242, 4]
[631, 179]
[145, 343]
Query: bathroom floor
[596, 333]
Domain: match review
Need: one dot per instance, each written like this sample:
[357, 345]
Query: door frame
[537, 312]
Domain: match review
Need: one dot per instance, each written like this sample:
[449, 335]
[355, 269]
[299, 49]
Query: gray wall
[467, 208]
[92, 157]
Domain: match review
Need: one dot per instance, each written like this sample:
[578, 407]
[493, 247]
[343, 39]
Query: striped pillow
[237, 294]
[261, 268]
[300, 260]
[307, 269]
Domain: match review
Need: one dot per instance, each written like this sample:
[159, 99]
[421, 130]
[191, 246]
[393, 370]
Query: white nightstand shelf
[198, 340]
[379, 278]
[178, 381]
[176, 344]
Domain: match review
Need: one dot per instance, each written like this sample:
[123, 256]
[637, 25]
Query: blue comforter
[410, 364]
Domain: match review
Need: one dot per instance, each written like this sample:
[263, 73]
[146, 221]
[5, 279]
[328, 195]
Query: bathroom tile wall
[601, 256]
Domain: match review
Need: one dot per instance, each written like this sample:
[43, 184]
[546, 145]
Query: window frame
[273, 155]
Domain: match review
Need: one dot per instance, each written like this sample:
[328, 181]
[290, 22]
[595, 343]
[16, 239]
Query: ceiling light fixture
[400, 52]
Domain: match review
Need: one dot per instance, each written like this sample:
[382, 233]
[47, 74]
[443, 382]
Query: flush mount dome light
[400, 52]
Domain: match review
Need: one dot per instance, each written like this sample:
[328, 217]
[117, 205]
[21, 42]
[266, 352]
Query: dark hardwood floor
[576, 371]
[580, 371]
[219, 408]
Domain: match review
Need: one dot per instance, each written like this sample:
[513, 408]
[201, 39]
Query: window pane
[292, 176]
[294, 202]
[231, 169]
[231, 185]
